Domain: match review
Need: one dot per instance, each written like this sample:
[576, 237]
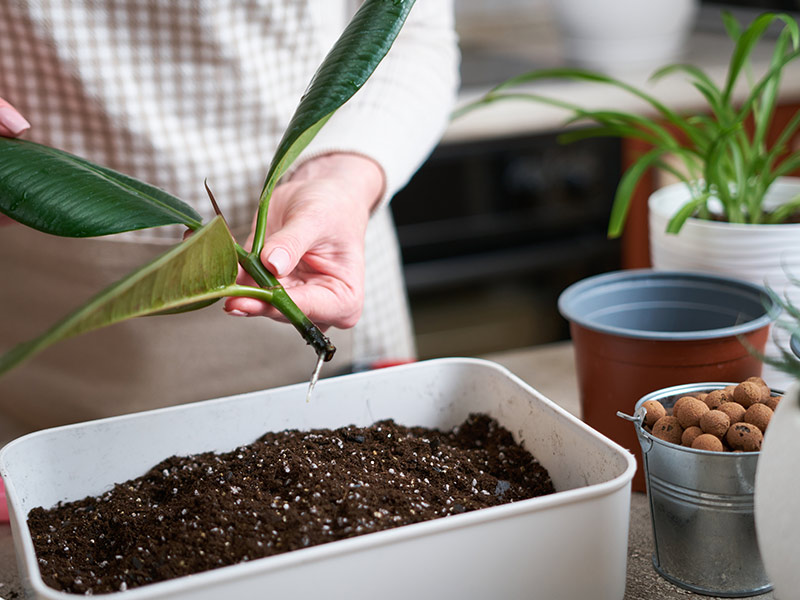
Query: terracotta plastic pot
[641, 330]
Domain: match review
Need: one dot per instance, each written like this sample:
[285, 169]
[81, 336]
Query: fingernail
[13, 121]
[279, 261]
[237, 313]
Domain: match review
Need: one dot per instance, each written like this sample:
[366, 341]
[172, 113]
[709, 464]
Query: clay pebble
[744, 437]
[748, 393]
[715, 422]
[669, 429]
[690, 411]
[655, 410]
[709, 442]
[758, 415]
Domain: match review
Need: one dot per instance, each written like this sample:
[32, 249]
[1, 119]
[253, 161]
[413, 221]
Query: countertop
[550, 369]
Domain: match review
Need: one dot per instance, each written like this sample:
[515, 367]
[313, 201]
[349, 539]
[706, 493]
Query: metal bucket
[701, 505]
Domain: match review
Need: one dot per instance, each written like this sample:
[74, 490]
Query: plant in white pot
[777, 486]
[734, 179]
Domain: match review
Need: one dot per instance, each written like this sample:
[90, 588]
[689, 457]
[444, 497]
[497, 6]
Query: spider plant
[787, 318]
[722, 151]
[65, 195]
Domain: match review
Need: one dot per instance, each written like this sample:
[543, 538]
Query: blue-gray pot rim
[618, 277]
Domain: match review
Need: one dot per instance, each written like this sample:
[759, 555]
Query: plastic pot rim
[573, 292]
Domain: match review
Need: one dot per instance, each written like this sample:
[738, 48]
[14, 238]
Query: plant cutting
[65, 195]
[722, 151]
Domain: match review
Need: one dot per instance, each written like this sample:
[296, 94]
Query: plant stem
[251, 263]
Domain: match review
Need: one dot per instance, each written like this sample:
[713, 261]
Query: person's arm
[360, 158]
[12, 124]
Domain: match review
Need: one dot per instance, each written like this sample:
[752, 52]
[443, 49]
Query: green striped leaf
[62, 194]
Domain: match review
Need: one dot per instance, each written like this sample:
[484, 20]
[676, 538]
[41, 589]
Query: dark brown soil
[286, 491]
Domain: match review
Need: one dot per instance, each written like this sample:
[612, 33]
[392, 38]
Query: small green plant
[787, 318]
[722, 151]
[65, 195]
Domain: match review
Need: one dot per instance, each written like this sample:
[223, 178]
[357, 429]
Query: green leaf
[732, 27]
[622, 197]
[590, 76]
[202, 268]
[769, 98]
[62, 194]
[784, 211]
[787, 166]
[687, 210]
[701, 81]
[362, 46]
[747, 41]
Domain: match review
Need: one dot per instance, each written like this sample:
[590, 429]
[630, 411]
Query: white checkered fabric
[177, 91]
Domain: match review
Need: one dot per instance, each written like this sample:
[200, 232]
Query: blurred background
[503, 216]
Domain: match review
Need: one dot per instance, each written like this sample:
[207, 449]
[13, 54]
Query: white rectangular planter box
[569, 545]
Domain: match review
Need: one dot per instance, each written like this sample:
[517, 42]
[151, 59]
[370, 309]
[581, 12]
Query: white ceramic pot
[616, 35]
[761, 254]
[777, 497]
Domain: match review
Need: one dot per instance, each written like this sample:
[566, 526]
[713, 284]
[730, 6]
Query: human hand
[11, 125]
[315, 239]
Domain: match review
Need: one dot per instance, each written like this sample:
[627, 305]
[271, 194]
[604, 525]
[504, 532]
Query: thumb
[284, 248]
[11, 122]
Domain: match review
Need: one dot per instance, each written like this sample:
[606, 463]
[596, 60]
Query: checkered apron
[174, 92]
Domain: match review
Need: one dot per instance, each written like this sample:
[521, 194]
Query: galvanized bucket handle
[638, 420]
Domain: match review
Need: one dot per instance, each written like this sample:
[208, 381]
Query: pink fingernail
[237, 313]
[279, 261]
[13, 121]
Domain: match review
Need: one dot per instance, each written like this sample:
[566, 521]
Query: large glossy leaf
[353, 58]
[200, 269]
[60, 193]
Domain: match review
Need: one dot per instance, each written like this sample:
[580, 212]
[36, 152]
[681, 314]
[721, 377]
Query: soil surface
[286, 491]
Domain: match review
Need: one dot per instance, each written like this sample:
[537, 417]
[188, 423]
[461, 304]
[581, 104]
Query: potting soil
[284, 492]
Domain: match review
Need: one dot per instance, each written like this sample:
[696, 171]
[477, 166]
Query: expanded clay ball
[734, 410]
[758, 415]
[760, 382]
[690, 411]
[689, 435]
[745, 437]
[680, 401]
[669, 429]
[715, 422]
[655, 410]
[707, 441]
[748, 393]
[714, 398]
[772, 402]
